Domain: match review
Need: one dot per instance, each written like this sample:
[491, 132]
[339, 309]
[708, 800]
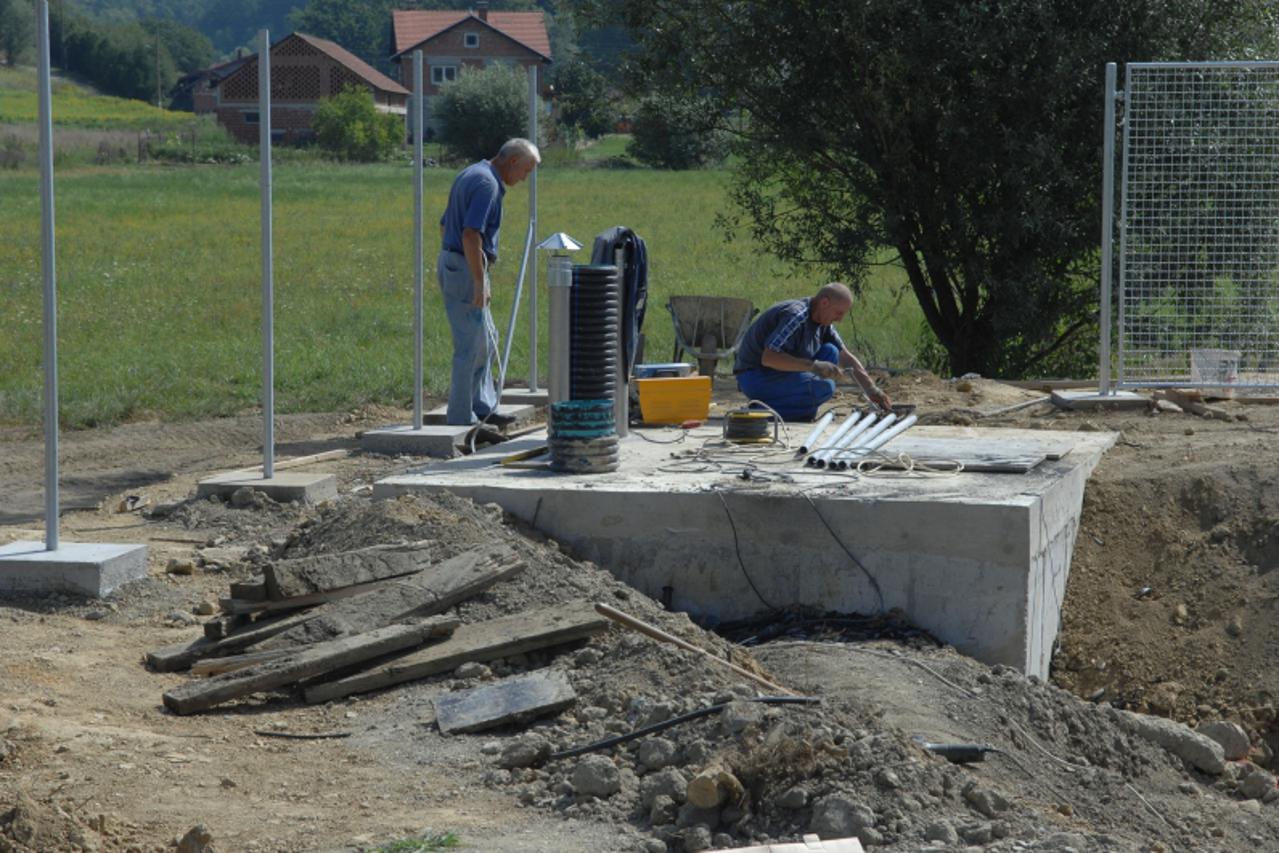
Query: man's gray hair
[836, 291]
[519, 148]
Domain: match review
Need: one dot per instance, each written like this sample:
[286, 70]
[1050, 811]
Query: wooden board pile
[331, 625]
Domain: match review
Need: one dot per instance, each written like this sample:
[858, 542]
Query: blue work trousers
[472, 392]
[793, 395]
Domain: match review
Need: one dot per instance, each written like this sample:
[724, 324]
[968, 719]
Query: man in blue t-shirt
[792, 355]
[469, 231]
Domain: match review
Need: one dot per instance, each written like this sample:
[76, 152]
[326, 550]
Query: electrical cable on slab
[675, 721]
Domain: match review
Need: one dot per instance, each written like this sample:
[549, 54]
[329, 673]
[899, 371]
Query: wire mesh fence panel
[1199, 226]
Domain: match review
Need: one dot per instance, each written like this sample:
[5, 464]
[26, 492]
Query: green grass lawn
[76, 106]
[159, 294]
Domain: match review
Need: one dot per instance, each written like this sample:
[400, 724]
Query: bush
[350, 127]
[482, 109]
[582, 100]
[673, 134]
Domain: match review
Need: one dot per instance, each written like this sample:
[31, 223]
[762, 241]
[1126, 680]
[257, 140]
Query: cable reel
[745, 426]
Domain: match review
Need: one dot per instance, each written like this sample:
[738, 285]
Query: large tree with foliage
[17, 31]
[964, 137]
[482, 109]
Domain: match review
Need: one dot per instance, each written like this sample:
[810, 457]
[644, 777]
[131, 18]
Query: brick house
[453, 40]
[304, 69]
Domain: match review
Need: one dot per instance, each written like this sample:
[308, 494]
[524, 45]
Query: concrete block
[76, 567]
[522, 413]
[524, 397]
[979, 559]
[441, 441]
[1093, 401]
[284, 487]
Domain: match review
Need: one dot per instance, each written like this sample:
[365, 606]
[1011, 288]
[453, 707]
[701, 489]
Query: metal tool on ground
[523, 455]
[956, 753]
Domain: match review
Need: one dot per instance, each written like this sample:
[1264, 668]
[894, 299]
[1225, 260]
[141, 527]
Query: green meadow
[159, 286]
[77, 106]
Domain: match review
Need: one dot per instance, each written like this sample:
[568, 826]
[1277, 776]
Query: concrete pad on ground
[980, 560]
[1094, 400]
[521, 412]
[284, 487]
[518, 396]
[76, 567]
[439, 440]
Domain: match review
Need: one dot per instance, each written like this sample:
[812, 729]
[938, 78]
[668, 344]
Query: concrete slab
[440, 441]
[522, 412]
[978, 559]
[523, 397]
[75, 567]
[285, 486]
[1092, 400]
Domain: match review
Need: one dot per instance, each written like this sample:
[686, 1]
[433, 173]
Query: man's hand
[479, 297]
[827, 370]
[879, 398]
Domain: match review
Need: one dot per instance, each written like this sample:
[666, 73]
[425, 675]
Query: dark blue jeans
[794, 396]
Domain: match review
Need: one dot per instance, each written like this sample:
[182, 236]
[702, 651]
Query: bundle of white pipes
[870, 441]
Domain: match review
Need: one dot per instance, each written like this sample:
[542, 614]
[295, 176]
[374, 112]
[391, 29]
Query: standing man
[792, 355]
[469, 231]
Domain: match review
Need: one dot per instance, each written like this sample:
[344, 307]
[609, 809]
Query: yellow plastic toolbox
[673, 400]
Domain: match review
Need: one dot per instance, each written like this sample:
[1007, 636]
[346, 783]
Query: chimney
[482, 9]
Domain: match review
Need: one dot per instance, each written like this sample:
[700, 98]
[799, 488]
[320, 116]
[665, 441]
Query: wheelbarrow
[709, 328]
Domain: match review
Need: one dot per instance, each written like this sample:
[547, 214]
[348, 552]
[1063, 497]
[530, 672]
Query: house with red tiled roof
[304, 69]
[457, 39]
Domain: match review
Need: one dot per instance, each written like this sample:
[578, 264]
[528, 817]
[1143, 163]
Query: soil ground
[1169, 611]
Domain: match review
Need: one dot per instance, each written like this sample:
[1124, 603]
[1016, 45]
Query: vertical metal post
[45, 98]
[532, 228]
[268, 280]
[1107, 225]
[1123, 213]
[418, 260]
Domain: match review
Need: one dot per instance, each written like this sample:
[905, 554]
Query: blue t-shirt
[784, 328]
[475, 201]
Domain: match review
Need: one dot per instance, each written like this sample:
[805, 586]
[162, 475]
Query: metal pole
[418, 260]
[515, 311]
[1107, 225]
[1123, 217]
[532, 228]
[50, 282]
[268, 283]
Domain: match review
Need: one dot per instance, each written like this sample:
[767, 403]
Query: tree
[17, 30]
[964, 137]
[582, 99]
[350, 126]
[673, 133]
[482, 109]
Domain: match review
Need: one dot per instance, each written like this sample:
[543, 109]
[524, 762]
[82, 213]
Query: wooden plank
[974, 454]
[516, 698]
[297, 461]
[196, 696]
[1052, 443]
[433, 590]
[481, 641]
[182, 655]
[253, 589]
[328, 572]
[235, 606]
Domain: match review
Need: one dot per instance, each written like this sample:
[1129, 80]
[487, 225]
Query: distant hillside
[227, 23]
[75, 105]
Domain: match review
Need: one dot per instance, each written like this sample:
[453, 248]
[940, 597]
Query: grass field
[76, 106]
[159, 283]
[159, 294]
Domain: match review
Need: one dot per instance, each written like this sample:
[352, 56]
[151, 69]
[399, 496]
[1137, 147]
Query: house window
[471, 39]
[443, 74]
[250, 118]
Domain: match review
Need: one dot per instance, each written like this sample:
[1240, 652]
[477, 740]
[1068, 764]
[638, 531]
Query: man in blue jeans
[792, 355]
[469, 233]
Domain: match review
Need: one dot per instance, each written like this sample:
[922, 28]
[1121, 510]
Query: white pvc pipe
[817, 430]
[418, 259]
[863, 450]
[830, 457]
[848, 423]
[47, 259]
[268, 279]
[857, 448]
[515, 310]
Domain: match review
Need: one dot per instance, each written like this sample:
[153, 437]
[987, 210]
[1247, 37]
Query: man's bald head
[831, 304]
